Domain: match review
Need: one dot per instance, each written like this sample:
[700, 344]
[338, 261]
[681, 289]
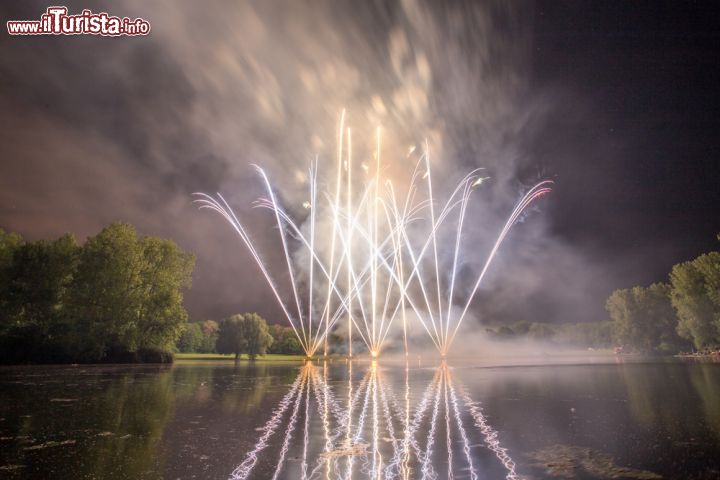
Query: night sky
[648, 74]
[617, 102]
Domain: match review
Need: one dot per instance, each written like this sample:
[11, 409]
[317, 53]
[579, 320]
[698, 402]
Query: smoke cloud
[127, 129]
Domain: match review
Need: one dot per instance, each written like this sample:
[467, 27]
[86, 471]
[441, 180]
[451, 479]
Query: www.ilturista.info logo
[56, 21]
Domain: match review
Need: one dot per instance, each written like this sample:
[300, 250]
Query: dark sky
[649, 74]
[617, 102]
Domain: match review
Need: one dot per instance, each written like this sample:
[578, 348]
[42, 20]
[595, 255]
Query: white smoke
[216, 87]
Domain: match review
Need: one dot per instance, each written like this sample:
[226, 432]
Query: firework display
[379, 263]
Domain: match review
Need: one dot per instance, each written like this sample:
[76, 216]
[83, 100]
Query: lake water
[288, 421]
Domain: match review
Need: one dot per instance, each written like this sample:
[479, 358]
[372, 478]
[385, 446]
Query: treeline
[671, 317]
[666, 317]
[198, 337]
[116, 298]
[586, 334]
[239, 334]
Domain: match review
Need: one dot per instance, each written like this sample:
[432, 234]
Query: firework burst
[376, 268]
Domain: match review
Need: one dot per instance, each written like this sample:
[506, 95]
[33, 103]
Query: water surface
[289, 421]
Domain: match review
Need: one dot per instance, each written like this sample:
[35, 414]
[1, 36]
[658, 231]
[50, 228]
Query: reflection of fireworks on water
[244, 469]
[375, 265]
[490, 436]
[372, 433]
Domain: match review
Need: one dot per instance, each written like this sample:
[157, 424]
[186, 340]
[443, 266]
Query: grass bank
[179, 357]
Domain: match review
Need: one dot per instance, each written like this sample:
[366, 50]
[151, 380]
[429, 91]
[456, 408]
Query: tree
[257, 337]
[540, 331]
[34, 278]
[191, 339]
[246, 333]
[209, 327]
[505, 332]
[9, 243]
[126, 294]
[166, 272]
[230, 339]
[210, 332]
[696, 297]
[291, 346]
[284, 340]
[521, 328]
[39, 276]
[198, 337]
[585, 334]
[643, 317]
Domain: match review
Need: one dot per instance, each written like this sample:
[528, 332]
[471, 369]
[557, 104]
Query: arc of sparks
[377, 225]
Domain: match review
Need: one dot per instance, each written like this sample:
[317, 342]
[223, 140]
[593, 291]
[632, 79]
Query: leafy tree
[209, 327]
[210, 333]
[246, 333]
[198, 337]
[230, 338]
[284, 340]
[257, 337]
[166, 272]
[521, 328]
[276, 331]
[505, 332]
[540, 331]
[126, 294]
[643, 317]
[104, 296]
[34, 285]
[39, 276]
[191, 339]
[587, 334]
[696, 297]
[291, 346]
[9, 243]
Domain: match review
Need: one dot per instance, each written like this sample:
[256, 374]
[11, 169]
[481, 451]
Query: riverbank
[217, 357]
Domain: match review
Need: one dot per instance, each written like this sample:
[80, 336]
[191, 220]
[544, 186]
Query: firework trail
[375, 266]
